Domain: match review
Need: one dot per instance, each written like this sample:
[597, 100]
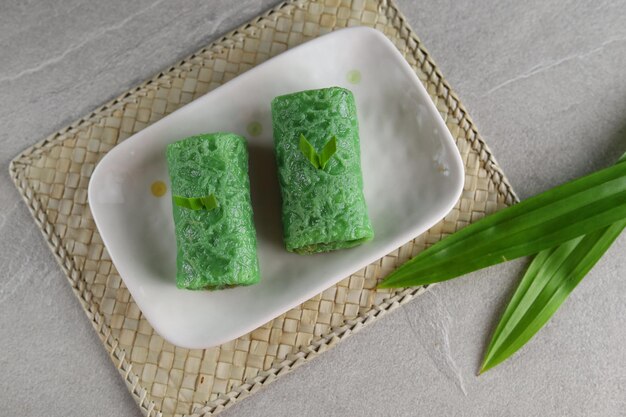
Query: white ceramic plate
[412, 172]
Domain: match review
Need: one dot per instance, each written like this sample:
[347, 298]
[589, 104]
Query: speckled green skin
[216, 248]
[323, 209]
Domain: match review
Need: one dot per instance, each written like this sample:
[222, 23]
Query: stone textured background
[545, 84]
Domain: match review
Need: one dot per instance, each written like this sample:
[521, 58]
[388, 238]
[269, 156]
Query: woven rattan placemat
[166, 380]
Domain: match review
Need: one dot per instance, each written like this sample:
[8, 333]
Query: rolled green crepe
[323, 207]
[215, 235]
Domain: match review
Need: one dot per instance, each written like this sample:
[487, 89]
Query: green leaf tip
[309, 152]
[207, 203]
[483, 369]
[318, 160]
[328, 151]
[385, 284]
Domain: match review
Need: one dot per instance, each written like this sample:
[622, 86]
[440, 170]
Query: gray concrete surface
[544, 82]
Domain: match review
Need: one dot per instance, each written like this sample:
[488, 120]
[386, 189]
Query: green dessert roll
[316, 138]
[215, 236]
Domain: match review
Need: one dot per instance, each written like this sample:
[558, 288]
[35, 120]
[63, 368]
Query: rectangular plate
[404, 141]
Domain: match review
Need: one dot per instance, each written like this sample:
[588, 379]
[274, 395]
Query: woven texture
[166, 380]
